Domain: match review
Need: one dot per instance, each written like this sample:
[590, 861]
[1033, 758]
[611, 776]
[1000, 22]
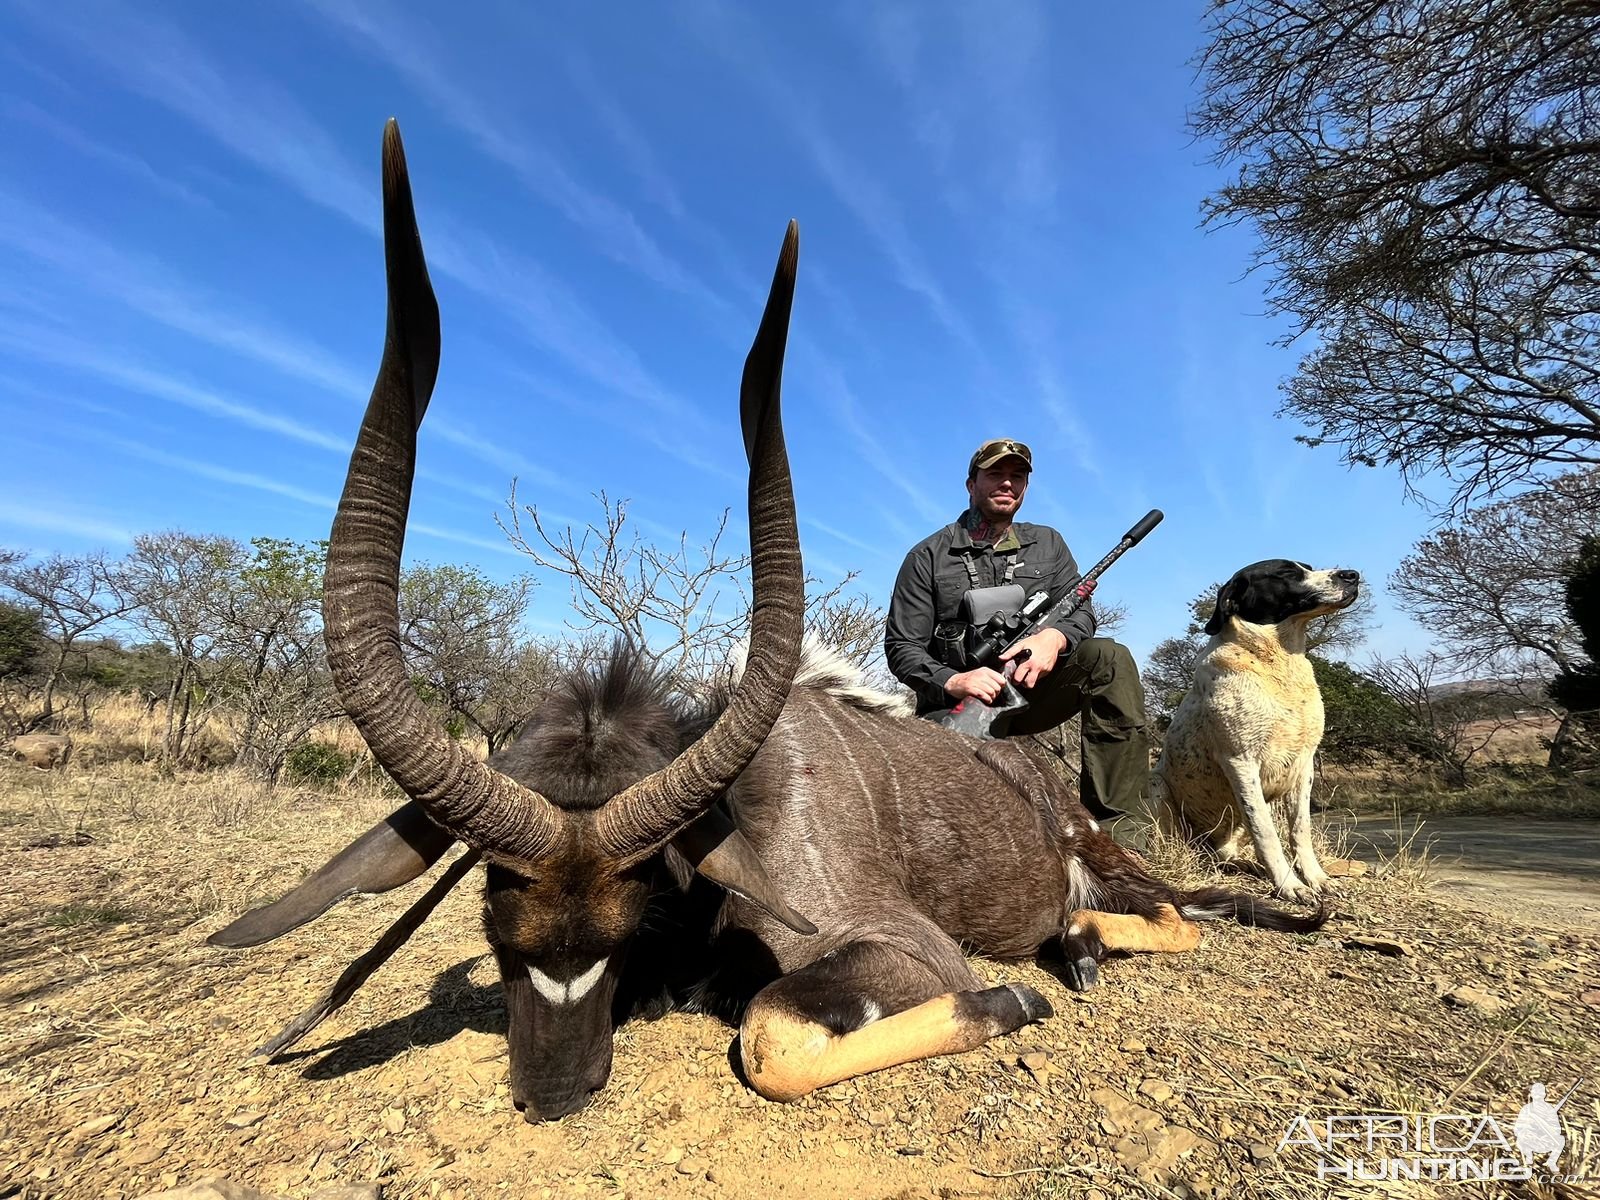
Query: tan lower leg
[786, 1056]
[1119, 931]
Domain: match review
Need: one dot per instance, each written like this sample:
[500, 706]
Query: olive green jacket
[933, 578]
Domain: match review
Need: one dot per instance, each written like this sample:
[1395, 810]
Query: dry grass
[112, 1006]
[1509, 788]
[1408, 866]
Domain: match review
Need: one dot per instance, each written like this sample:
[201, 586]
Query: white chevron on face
[570, 992]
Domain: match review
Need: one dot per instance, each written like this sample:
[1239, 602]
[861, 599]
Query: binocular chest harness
[993, 619]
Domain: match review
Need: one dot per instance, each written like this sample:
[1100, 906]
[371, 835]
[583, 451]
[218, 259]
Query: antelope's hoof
[1081, 973]
[1035, 1008]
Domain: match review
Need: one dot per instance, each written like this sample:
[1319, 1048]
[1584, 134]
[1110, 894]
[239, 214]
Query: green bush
[1364, 722]
[318, 762]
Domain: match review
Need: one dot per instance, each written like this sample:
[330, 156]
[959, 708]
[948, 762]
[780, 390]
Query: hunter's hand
[981, 682]
[1038, 655]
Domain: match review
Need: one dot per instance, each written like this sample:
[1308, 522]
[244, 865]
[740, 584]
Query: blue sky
[998, 206]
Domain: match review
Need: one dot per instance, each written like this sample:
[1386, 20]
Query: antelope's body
[909, 846]
[857, 847]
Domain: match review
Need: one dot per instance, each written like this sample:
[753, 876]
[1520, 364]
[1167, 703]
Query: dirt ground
[1544, 873]
[125, 1040]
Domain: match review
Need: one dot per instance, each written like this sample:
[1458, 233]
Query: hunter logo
[1373, 1147]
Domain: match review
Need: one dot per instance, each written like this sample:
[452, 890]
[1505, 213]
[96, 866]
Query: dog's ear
[1227, 604]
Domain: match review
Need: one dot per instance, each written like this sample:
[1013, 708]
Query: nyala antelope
[804, 857]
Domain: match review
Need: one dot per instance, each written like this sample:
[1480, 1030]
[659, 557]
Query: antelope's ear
[716, 849]
[1227, 605]
[394, 851]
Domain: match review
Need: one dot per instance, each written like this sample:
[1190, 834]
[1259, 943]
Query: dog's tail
[1220, 904]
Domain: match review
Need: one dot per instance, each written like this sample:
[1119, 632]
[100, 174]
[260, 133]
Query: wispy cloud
[840, 535]
[885, 466]
[464, 539]
[729, 32]
[51, 519]
[636, 150]
[48, 345]
[406, 45]
[144, 286]
[122, 160]
[213, 471]
[551, 314]
[513, 465]
[897, 32]
[254, 118]
[263, 124]
[686, 439]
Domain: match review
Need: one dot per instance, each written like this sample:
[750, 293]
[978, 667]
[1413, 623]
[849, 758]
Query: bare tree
[1491, 585]
[1425, 179]
[1452, 723]
[674, 604]
[74, 597]
[685, 606]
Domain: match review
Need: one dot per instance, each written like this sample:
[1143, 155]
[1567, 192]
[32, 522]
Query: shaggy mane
[825, 669]
[599, 730]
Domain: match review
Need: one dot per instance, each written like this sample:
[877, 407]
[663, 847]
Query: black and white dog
[1243, 739]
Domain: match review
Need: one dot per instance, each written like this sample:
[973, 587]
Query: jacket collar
[963, 543]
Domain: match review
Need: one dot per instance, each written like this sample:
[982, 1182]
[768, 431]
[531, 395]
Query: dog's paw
[1314, 877]
[1295, 890]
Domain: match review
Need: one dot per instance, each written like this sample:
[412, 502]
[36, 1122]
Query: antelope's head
[574, 820]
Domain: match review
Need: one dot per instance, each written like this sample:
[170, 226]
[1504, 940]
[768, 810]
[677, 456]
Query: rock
[1155, 1152]
[213, 1188]
[692, 1167]
[46, 751]
[1156, 1089]
[1476, 999]
[1592, 996]
[1345, 868]
[349, 1191]
[96, 1127]
[245, 1119]
[1392, 947]
[143, 1156]
[1124, 1115]
[1035, 1061]
[1133, 1046]
[1261, 1152]
[394, 1120]
[673, 1156]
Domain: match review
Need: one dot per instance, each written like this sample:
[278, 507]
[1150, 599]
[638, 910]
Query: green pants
[1099, 681]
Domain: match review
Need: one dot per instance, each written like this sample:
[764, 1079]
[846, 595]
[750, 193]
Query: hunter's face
[996, 492]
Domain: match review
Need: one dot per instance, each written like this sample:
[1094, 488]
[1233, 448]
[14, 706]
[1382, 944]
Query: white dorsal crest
[572, 990]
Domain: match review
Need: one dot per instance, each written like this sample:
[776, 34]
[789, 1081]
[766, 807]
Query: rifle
[972, 716]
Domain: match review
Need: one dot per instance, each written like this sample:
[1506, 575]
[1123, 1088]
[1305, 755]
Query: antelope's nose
[1345, 575]
[552, 1107]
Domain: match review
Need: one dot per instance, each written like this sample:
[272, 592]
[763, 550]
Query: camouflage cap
[994, 450]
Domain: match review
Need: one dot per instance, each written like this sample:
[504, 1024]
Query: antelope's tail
[1219, 904]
